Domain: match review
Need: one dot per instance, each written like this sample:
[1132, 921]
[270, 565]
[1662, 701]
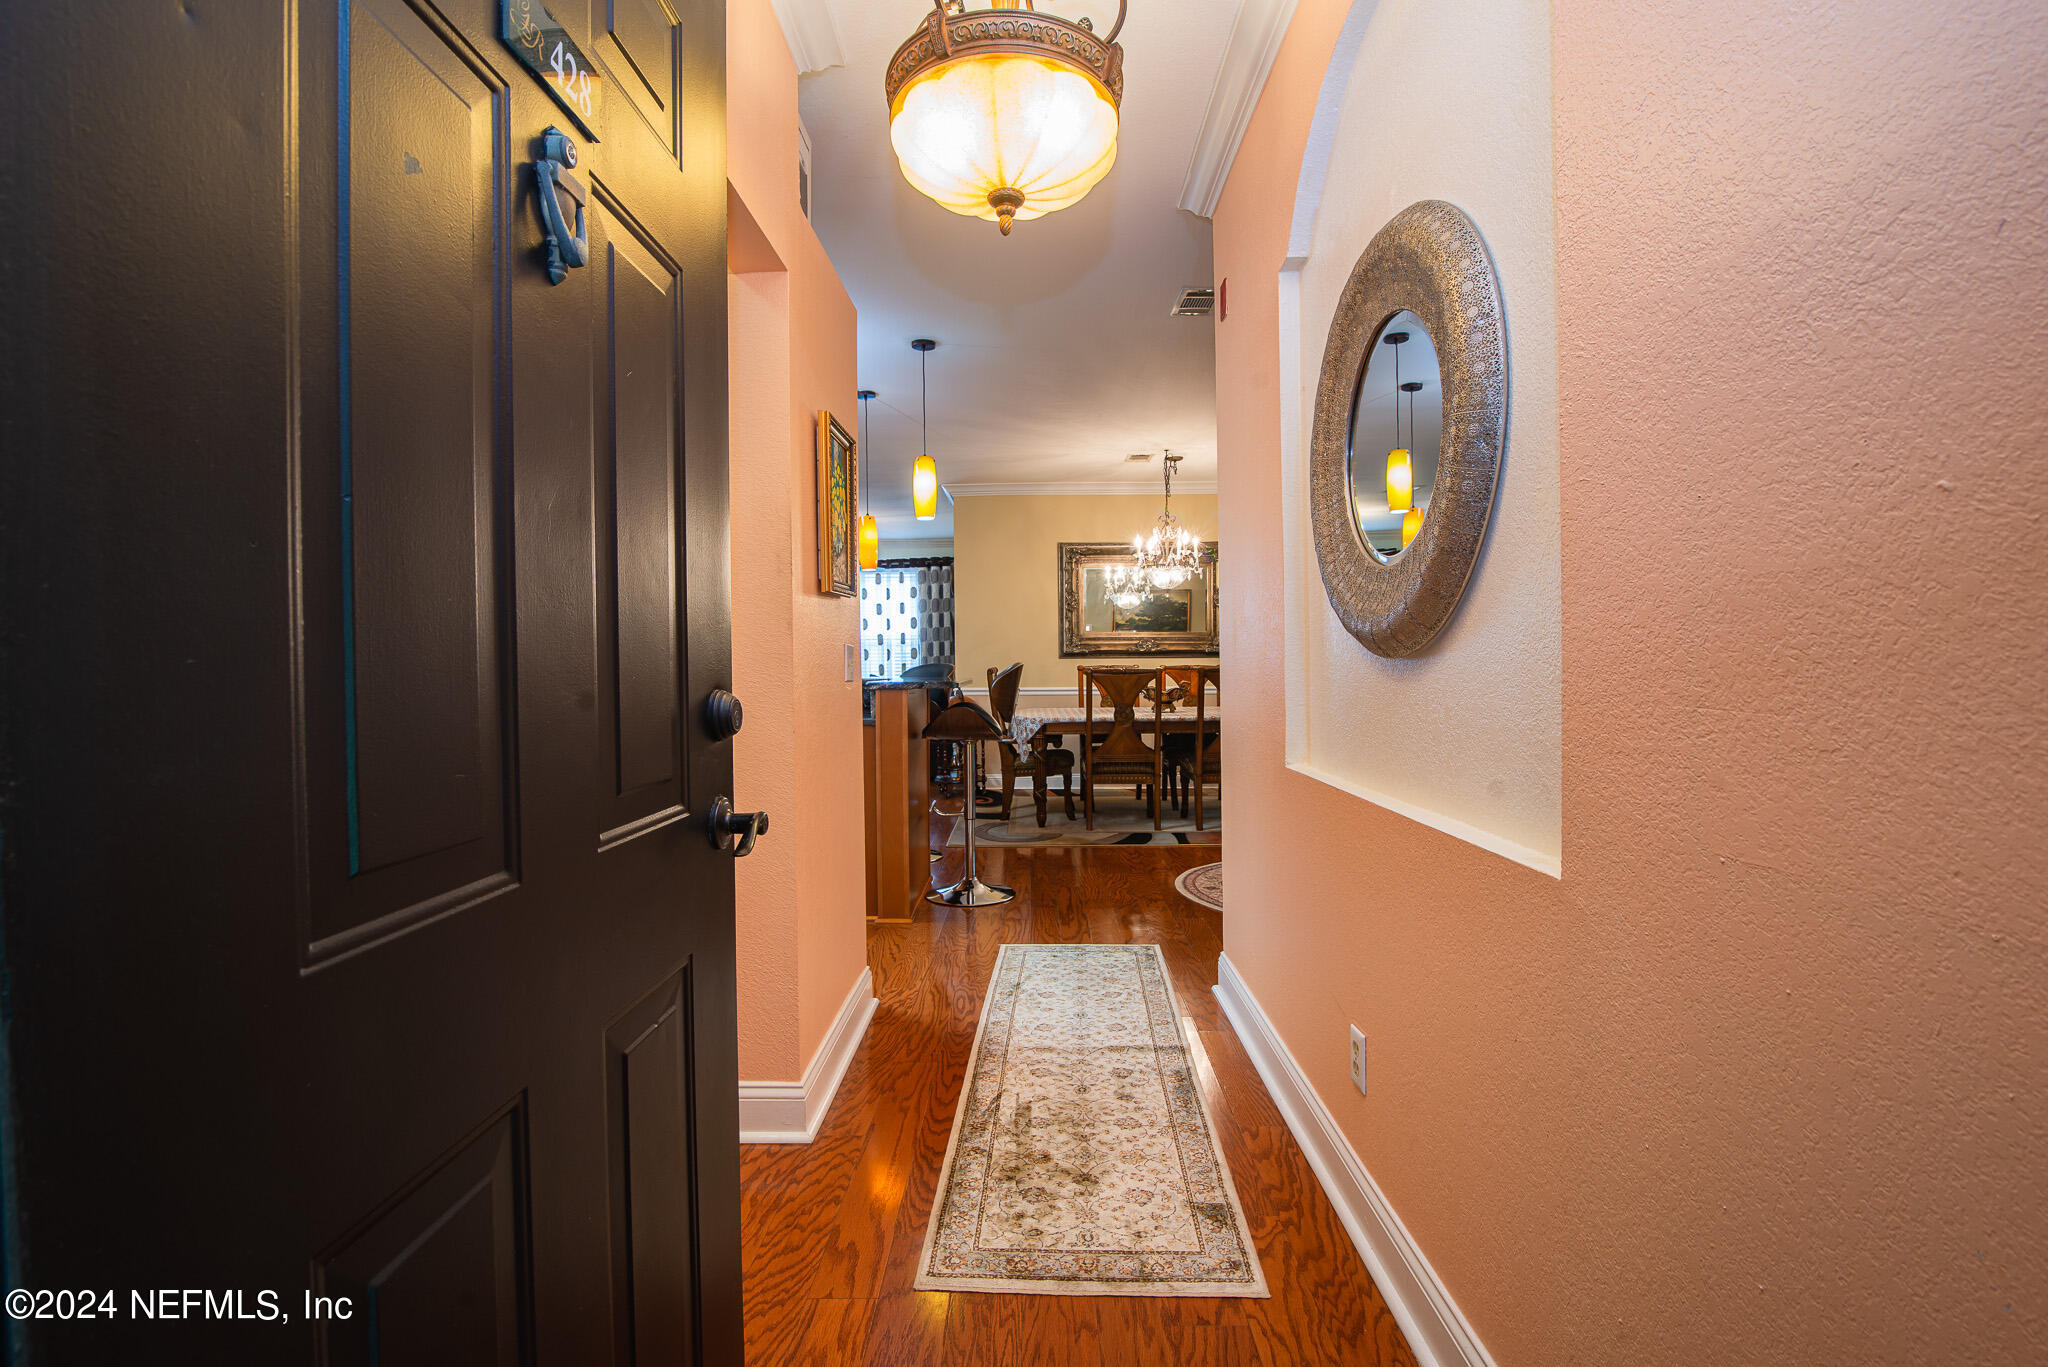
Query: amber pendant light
[1400, 467]
[870, 536]
[1003, 113]
[1411, 523]
[924, 476]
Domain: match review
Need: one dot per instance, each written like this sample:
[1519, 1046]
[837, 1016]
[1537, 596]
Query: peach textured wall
[802, 908]
[1762, 1078]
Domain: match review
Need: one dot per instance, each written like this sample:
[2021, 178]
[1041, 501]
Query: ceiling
[1057, 353]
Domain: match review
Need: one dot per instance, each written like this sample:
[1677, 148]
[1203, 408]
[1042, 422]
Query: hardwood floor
[832, 1230]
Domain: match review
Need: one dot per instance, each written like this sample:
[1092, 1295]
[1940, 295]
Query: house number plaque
[545, 48]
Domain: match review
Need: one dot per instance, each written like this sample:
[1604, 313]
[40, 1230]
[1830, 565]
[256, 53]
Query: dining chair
[1200, 757]
[1179, 680]
[1122, 755]
[1039, 762]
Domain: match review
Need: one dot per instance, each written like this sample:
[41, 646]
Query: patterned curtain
[906, 616]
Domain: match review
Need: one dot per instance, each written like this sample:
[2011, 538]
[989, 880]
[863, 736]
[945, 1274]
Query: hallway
[833, 1230]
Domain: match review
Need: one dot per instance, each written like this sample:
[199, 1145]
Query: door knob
[735, 831]
[723, 714]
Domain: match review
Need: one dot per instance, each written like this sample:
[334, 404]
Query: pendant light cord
[924, 411]
[1397, 395]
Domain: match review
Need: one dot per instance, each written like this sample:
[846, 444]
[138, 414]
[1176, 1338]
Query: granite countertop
[870, 687]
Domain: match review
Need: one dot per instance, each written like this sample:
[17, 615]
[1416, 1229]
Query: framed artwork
[838, 496]
[1159, 610]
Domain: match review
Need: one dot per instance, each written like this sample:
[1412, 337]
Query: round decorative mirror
[1396, 428]
[1410, 426]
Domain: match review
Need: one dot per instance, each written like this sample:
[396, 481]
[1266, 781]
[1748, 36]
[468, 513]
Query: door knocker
[566, 250]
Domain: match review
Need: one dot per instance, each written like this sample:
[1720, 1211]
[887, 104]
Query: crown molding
[1255, 37]
[1126, 487]
[812, 36]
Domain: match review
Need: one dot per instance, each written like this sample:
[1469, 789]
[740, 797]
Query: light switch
[852, 664]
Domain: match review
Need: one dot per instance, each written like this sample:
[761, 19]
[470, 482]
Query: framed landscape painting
[838, 496]
[1159, 610]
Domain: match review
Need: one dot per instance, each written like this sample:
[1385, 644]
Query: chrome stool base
[971, 892]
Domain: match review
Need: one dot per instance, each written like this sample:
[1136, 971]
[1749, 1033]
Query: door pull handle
[735, 831]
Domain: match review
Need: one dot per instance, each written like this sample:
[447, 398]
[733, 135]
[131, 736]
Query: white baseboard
[791, 1112]
[1435, 1329]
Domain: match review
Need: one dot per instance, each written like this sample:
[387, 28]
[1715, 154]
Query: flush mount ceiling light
[1004, 113]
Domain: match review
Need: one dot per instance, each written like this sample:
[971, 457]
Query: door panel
[359, 580]
[640, 41]
[439, 1277]
[419, 274]
[638, 504]
[654, 1234]
[404, 175]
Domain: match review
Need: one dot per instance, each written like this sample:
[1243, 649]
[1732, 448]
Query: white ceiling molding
[1187, 486]
[812, 36]
[1255, 38]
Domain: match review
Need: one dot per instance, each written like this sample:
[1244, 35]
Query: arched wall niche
[1450, 100]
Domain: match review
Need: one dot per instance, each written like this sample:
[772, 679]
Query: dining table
[1034, 727]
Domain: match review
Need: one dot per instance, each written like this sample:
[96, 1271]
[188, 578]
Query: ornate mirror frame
[1431, 261]
[1075, 558]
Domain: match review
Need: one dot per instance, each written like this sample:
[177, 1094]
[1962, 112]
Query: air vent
[1195, 304]
[1137, 458]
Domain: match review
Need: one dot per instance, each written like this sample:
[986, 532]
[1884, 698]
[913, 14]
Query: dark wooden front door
[363, 590]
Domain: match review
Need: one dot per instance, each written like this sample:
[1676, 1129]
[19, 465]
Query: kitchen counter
[895, 774]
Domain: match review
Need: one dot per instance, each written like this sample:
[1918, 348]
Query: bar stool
[966, 720]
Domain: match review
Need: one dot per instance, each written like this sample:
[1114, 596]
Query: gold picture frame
[1091, 626]
[838, 497]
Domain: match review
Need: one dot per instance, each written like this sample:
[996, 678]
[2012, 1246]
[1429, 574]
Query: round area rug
[1203, 884]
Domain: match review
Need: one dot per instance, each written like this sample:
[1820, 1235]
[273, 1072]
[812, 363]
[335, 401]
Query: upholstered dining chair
[1122, 755]
[1199, 757]
[1041, 763]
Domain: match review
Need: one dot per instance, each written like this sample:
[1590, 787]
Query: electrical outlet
[1358, 1059]
[852, 665]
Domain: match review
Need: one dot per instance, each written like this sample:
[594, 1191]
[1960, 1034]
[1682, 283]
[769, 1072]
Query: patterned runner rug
[1082, 1161]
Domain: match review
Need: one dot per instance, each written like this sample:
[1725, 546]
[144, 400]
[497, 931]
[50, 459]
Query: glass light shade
[1003, 121]
[1400, 481]
[870, 542]
[924, 488]
[1410, 525]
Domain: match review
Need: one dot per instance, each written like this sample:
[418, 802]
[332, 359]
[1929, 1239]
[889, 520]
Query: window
[906, 616]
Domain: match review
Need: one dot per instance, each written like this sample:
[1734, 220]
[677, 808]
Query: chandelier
[1003, 113]
[1170, 556]
[1127, 585]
